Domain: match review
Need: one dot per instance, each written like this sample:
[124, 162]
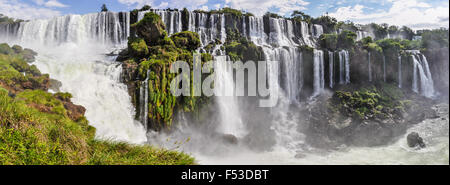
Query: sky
[417, 14]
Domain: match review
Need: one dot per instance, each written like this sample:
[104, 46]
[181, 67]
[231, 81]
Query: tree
[145, 8]
[407, 33]
[300, 16]
[328, 23]
[392, 30]
[104, 8]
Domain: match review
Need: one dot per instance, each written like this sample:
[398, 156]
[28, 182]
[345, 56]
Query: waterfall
[347, 67]
[384, 68]
[415, 88]
[344, 67]
[399, 71]
[72, 49]
[421, 72]
[363, 34]
[318, 30]
[291, 80]
[331, 68]
[370, 67]
[143, 101]
[319, 82]
[8, 32]
[230, 119]
[105, 27]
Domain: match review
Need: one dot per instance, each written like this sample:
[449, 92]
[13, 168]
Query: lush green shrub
[368, 103]
[329, 41]
[137, 47]
[346, 39]
[186, 40]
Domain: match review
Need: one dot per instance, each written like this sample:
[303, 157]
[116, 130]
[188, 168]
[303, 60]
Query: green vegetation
[151, 28]
[7, 20]
[104, 8]
[230, 11]
[382, 100]
[31, 137]
[37, 127]
[186, 40]
[137, 47]
[344, 40]
[301, 16]
[16, 74]
[272, 15]
[435, 39]
[328, 23]
[244, 50]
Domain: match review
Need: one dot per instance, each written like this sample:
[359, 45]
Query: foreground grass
[31, 137]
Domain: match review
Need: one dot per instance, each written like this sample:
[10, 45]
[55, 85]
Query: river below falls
[435, 133]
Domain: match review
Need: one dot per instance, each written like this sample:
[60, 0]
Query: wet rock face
[414, 140]
[55, 85]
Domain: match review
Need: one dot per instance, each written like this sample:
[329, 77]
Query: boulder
[415, 140]
[230, 139]
[151, 28]
[55, 85]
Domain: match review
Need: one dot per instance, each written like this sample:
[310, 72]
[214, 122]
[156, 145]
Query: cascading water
[363, 34]
[421, 72]
[344, 67]
[231, 122]
[331, 68]
[66, 51]
[369, 66]
[105, 27]
[143, 99]
[319, 73]
[384, 68]
[400, 71]
[318, 30]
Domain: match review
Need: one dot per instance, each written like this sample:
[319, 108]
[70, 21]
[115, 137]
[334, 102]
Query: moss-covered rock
[186, 40]
[151, 28]
[367, 103]
[17, 75]
[137, 47]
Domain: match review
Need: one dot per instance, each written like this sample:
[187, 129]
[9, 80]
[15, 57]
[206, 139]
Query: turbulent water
[72, 49]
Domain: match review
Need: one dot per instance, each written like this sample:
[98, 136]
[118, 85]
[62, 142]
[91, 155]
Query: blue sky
[417, 14]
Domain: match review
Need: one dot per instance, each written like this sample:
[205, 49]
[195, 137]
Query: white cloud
[190, 4]
[204, 8]
[411, 13]
[137, 3]
[50, 3]
[259, 7]
[17, 9]
[55, 3]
